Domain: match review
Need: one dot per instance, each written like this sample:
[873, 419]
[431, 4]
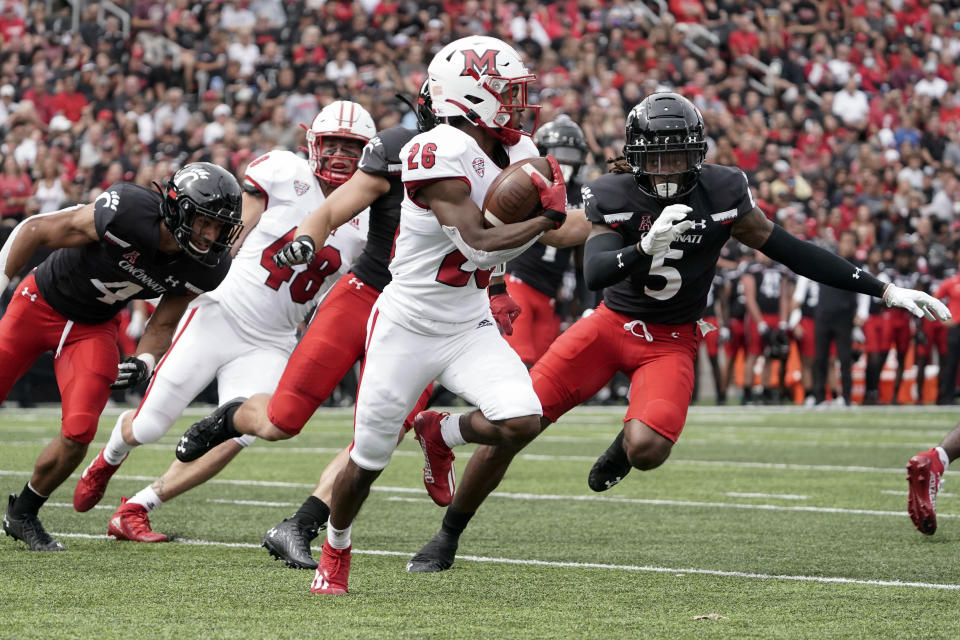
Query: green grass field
[787, 524]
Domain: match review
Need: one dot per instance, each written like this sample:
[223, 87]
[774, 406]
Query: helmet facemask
[667, 167]
[331, 167]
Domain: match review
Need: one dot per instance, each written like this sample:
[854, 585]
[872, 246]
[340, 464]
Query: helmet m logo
[483, 64]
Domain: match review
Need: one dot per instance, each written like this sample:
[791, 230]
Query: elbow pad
[485, 259]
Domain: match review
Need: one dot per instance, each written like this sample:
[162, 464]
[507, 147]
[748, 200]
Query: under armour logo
[698, 224]
[180, 447]
[620, 260]
[856, 274]
[172, 281]
[356, 282]
[674, 334]
[610, 483]
[26, 294]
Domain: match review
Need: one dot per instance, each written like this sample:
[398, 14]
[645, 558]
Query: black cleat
[611, 467]
[436, 555]
[290, 541]
[208, 433]
[27, 527]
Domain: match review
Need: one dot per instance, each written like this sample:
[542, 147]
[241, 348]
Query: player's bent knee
[520, 431]
[80, 428]
[645, 448]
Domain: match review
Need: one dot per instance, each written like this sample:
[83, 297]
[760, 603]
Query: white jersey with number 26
[435, 289]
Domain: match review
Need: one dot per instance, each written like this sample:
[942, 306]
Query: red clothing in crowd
[43, 104]
[69, 104]
[11, 27]
[744, 43]
[14, 187]
[686, 10]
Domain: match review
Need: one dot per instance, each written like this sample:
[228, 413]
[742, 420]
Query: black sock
[228, 420]
[313, 513]
[454, 522]
[29, 501]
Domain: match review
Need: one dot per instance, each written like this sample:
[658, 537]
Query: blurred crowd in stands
[844, 114]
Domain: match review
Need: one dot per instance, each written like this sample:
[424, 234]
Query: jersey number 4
[306, 283]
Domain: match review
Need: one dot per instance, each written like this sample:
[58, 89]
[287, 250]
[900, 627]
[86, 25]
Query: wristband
[149, 359]
[558, 217]
[497, 289]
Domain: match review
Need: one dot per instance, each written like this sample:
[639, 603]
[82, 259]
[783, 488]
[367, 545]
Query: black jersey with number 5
[92, 283]
[381, 157]
[669, 287]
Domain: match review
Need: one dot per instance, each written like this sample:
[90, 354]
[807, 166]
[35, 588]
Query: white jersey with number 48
[435, 289]
[267, 302]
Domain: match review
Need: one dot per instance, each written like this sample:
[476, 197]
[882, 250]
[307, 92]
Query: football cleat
[290, 541]
[611, 467]
[925, 478]
[93, 483]
[208, 433]
[439, 476]
[332, 572]
[436, 555]
[27, 528]
[130, 522]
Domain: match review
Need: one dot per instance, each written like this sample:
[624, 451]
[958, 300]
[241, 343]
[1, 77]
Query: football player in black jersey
[534, 278]
[129, 243]
[658, 228]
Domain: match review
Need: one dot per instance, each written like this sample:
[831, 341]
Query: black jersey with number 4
[381, 157]
[670, 287]
[92, 283]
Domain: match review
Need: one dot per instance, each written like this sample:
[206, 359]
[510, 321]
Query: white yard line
[589, 565]
[778, 496]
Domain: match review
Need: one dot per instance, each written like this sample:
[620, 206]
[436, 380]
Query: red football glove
[505, 310]
[553, 195]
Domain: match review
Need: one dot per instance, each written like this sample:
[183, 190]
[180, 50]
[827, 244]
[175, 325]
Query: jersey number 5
[306, 283]
[427, 157]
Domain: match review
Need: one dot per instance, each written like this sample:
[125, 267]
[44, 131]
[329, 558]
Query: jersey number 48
[306, 283]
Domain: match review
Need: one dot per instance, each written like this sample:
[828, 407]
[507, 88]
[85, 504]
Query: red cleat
[93, 483]
[439, 476]
[130, 522]
[332, 572]
[925, 477]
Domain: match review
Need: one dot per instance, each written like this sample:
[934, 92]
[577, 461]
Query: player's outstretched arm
[806, 259]
[72, 227]
[449, 199]
[574, 232]
[344, 204]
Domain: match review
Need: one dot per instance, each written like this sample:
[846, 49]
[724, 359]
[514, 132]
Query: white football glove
[298, 251]
[857, 335]
[916, 302]
[668, 225]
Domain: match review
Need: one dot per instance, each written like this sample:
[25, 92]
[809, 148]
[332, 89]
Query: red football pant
[873, 335]
[333, 343]
[712, 339]
[537, 326]
[586, 356]
[737, 341]
[85, 367]
[936, 333]
[807, 345]
[896, 329]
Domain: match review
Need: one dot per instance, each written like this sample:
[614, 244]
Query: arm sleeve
[606, 260]
[809, 260]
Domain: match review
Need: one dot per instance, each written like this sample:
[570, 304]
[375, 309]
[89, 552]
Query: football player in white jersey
[433, 322]
[243, 332]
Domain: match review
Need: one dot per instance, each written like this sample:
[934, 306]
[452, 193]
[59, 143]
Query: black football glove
[130, 372]
[298, 251]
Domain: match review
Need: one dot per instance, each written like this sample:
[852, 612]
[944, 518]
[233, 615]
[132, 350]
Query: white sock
[943, 457]
[146, 498]
[116, 449]
[338, 538]
[450, 430]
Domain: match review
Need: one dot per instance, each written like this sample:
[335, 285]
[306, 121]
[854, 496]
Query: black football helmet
[665, 139]
[564, 140]
[203, 189]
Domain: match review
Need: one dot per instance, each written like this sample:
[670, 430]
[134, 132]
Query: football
[513, 197]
